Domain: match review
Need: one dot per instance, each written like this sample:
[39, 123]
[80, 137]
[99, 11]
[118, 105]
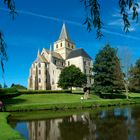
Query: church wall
[42, 77]
[32, 77]
[85, 66]
[54, 76]
[37, 79]
[77, 61]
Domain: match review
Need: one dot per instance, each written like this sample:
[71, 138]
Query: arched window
[39, 80]
[39, 65]
[39, 72]
[55, 61]
[61, 44]
[52, 81]
[57, 46]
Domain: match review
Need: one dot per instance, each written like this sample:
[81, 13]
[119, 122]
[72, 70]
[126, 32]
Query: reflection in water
[117, 124]
[44, 130]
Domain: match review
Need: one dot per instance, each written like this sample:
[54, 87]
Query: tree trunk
[126, 88]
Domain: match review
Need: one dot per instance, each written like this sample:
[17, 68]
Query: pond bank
[107, 122]
[6, 132]
[64, 103]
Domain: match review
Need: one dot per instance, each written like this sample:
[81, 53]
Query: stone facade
[45, 70]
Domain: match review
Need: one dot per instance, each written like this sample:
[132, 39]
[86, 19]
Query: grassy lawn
[6, 132]
[59, 101]
[63, 101]
[134, 95]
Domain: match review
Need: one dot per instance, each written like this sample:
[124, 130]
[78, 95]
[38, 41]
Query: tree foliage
[93, 18]
[108, 76]
[134, 78]
[11, 6]
[18, 86]
[3, 55]
[71, 77]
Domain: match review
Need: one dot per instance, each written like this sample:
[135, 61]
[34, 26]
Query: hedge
[10, 95]
[112, 95]
[43, 91]
[7, 93]
[8, 90]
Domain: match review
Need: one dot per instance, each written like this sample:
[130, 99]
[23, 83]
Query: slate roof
[64, 33]
[78, 52]
[41, 59]
[55, 54]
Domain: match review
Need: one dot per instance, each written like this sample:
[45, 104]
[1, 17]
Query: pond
[102, 124]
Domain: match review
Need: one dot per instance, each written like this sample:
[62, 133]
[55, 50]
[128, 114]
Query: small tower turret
[50, 53]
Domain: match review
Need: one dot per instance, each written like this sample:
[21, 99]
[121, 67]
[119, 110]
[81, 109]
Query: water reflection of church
[44, 130]
[119, 124]
[55, 129]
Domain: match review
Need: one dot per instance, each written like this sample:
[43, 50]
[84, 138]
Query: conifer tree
[108, 77]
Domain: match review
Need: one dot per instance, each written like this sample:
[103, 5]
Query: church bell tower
[64, 45]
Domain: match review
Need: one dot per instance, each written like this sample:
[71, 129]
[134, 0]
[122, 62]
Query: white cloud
[121, 35]
[117, 22]
[45, 17]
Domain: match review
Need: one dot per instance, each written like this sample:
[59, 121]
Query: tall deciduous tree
[125, 58]
[134, 80]
[71, 77]
[108, 77]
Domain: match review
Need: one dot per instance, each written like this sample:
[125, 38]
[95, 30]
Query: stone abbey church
[45, 70]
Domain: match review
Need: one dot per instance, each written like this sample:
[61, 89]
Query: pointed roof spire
[50, 57]
[38, 53]
[50, 48]
[39, 57]
[64, 33]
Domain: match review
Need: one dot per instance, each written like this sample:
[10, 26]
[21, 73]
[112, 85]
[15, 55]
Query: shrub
[8, 90]
[112, 96]
[18, 87]
[8, 93]
[43, 91]
[7, 96]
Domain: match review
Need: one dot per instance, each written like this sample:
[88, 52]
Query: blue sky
[38, 25]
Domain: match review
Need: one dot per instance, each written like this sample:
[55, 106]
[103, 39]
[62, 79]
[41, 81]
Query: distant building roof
[78, 52]
[64, 33]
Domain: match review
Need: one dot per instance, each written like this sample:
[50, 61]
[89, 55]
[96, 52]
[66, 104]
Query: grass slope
[63, 101]
[6, 132]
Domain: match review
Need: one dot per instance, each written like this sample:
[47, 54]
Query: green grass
[63, 101]
[134, 95]
[6, 132]
[52, 102]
